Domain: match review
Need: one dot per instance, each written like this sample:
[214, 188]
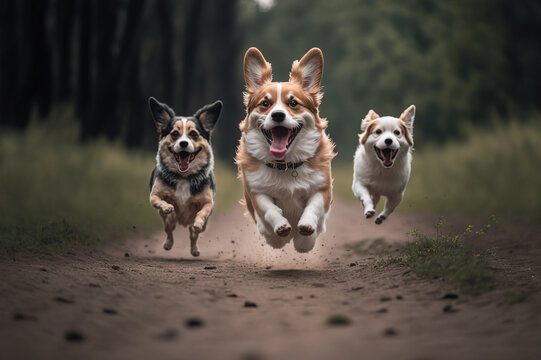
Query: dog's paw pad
[167, 245]
[168, 209]
[195, 252]
[380, 219]
[369, 214]
[283, 230]
[306, 230]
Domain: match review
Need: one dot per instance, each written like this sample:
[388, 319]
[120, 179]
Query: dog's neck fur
[197, 181]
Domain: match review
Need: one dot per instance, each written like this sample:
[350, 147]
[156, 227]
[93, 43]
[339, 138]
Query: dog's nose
[388, 142]
[183, 144]
[278, 116]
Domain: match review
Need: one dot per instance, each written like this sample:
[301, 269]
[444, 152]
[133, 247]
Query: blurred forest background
[75, 76]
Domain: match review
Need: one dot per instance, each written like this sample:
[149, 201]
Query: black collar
[281, 165]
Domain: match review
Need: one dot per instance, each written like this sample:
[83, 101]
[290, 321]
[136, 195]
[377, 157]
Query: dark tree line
[105, 57]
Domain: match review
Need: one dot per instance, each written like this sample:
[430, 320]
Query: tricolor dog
[284, 155]
[382, 162]
[182, 185]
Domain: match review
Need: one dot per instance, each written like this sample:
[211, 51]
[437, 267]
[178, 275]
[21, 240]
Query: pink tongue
[387, 157]
[280, 135]
[184, 163]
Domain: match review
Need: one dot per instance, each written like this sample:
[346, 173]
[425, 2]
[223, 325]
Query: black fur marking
[197, 181]
[169, 127]
[152, 177]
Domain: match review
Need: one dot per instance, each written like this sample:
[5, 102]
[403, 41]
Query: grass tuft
[448, 256]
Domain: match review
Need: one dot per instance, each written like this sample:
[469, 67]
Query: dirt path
[137, 301]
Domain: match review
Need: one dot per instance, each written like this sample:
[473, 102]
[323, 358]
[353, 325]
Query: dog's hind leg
[169, 224]
[194, 235]
[303, 243]
[390, 204]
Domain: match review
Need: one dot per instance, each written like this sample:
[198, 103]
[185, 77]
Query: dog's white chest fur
[182, 192]
[382, 181]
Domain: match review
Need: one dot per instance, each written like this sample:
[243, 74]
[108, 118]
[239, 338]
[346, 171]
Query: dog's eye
[175, 134]
[378, 131]
[293, 103]
[265, 103]
[193, 134]
[397, 132]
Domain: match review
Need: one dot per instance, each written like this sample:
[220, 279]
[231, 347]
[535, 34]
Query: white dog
[382, 162]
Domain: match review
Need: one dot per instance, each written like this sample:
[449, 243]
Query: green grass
[493, 171]
[451, 257]
[56, 191]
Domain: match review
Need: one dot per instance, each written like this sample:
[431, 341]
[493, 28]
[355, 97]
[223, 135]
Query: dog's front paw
[369, 213]
[167, 209]
[306, 230]
[380, 219]
[198, 225]
[283, 230]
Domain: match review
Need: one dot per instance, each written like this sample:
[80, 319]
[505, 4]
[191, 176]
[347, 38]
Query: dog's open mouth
[280, 138]
[386, 155]
[184, 159]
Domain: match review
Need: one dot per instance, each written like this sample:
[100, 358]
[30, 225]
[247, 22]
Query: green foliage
[491, 172]
[447, 256]
[56, 191]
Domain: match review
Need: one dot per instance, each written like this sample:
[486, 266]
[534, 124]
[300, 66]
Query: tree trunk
[9, 63]
[64, 19]
[189, 53]
[84, 71]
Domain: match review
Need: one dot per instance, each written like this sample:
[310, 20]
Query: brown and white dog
[284, 155]
[382, 162]
[182, 185]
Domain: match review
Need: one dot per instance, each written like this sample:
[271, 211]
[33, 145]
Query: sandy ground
[136, 301]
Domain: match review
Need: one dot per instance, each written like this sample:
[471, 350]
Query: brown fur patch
[162, 194]
[368, 131]
[406, 133]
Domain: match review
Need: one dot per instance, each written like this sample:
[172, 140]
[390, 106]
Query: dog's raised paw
[168, 209]
[380, 219]
[283, 230]
[369, 213]
[306, 230]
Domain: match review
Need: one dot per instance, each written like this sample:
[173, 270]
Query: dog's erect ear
[371, 116]
[161, 113]
[257, 71]
[308, 71]
[209, 115]
[408, 116]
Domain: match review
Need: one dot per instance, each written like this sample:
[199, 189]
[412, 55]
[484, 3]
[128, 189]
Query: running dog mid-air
[182, 185]
[284, 155]
[382, 162]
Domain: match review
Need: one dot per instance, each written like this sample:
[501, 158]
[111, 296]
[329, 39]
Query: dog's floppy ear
[257, 71]
[367, 125]
[407, 117]
[161, 113]
[370, 117]
[308, 71]
[209, 115]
